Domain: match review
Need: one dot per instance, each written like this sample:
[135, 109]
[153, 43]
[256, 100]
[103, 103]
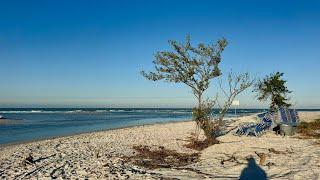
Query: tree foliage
[273, 87]
[194, 66]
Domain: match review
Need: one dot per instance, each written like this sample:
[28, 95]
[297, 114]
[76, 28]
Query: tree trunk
[199, 101]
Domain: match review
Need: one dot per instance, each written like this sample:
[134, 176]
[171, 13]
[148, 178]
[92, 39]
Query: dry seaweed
[159, 157]
[196, 144]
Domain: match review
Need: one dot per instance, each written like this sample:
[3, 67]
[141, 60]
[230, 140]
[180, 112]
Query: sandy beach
[164, 90]
[100, 155]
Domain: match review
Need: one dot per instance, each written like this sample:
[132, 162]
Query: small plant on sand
[273, 87]
[309, 129]
[203, 117]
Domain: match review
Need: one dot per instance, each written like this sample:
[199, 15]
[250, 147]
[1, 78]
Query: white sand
[98, 155]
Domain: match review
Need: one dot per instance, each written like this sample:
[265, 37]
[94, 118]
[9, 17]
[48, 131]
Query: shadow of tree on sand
[253, 171]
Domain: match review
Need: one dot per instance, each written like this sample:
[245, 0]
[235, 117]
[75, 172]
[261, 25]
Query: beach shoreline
[99, 155]
[89, 132]
[95, 131]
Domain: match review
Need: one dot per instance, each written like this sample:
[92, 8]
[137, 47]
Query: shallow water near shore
[42, 123]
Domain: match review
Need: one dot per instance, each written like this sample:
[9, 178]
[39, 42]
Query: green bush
[202, 116]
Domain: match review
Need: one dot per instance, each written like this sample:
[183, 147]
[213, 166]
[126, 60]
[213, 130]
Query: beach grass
[310, 129]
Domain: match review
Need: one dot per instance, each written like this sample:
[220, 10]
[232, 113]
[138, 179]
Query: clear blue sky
[89, 53]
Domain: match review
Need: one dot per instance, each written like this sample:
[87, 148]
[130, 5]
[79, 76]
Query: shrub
[310, 129]
[203, 118]
[273, 87]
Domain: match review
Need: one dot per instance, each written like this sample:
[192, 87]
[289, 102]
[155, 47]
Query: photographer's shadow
[253, 171]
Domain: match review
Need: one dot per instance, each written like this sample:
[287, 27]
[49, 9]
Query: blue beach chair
[255, 129]
[284, 118]
[268, 117]
[288, 116]
[288, 121]
[262, 127]
[294, 116]
[269, 121]
[244, 129]
[261, 116]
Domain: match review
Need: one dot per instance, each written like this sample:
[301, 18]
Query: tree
[214, 127]
[273, 87]
[192, 66]
[196, 67]
[237, 83]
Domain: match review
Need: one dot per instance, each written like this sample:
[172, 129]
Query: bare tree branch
[237, 83]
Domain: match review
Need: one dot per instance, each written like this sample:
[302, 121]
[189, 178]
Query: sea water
[41, 123]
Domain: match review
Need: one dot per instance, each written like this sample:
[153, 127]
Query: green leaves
[194, 66]
[273, 87]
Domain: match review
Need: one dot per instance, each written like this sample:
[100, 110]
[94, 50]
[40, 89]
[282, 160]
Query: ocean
[41, 123]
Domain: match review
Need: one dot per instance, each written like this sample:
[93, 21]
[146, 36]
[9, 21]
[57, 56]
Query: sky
[89, 53]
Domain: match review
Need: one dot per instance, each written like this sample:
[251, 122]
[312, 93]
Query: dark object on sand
[253, 171]
[29, 160]
[276, 129]
[262, 156]
[1, 117]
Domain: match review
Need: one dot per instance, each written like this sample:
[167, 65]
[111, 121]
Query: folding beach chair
[254, 129]
[244, 129]
[288, 116]
[284, 117]
[294, 116]
[261, 116]
[262, 127]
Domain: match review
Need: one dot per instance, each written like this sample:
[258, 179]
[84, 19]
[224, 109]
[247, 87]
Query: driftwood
[272, 150]
[230, 159]
[30, 172]
[262, 156]
[269, 164]
[53, 174]
[43, 158]
[30, 159]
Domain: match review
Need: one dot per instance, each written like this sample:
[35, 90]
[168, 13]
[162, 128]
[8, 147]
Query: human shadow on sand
[253, 171]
